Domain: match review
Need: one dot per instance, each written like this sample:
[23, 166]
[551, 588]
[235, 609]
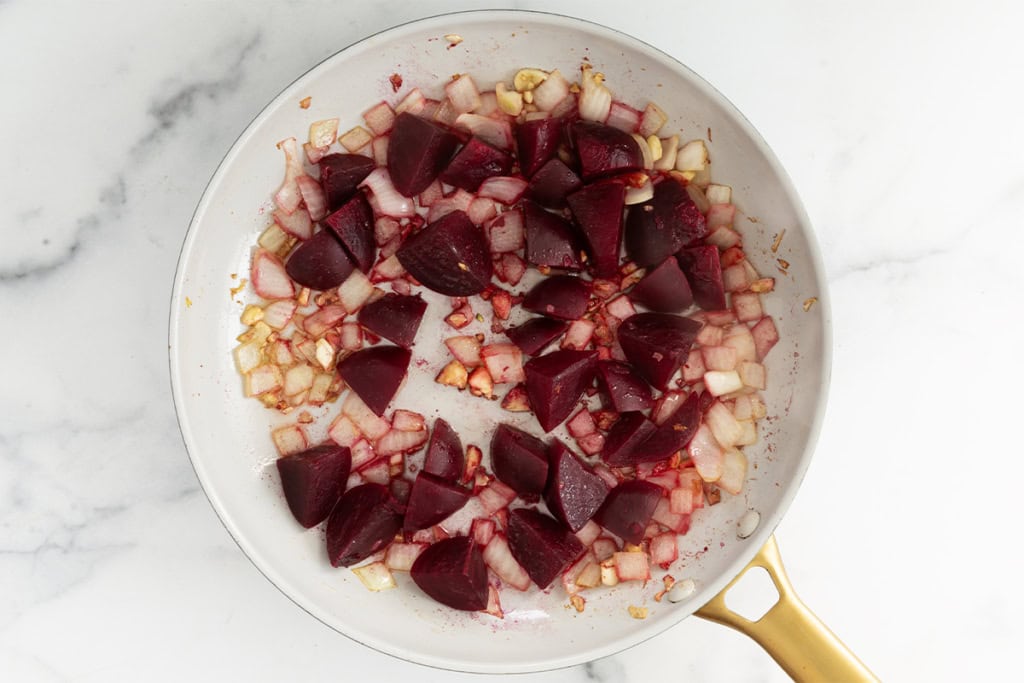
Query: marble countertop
[899, 124]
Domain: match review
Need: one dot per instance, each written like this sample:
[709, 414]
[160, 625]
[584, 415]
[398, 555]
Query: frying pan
[227, 436]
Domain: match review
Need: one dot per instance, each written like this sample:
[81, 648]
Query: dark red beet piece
[574, 492]
[656, 344]
[555, 382]
[675, 433]
[375, 373]
[559, 296]
[340, 175]
[353, 224]
[598, 211]
[703, 270]
[445, 457]
[450, 256]
[627, 510]
[626, 390]
[663, 225]
[604, 150]
[664, 289]
[542, 545]
[452, 571]
[519, 460]
[432, 499]
[320, 262]
[365, 520]
[625, 438]
[533, 335]
[536, 142]
[396, 317]
[550, 239]
[552, 184]
[474, 163]
[417, 152]
[314, 480]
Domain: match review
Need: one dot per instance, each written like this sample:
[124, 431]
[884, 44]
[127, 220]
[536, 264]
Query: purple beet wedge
[626, 390]
[623, 445]
[375, 374]
[474, 163]
[550, 185]
[537, 142]
[535, 334]
[550, 239]
[340, 175]
[664, 289]
[396, 317]
[663, 225]
[320, 262]
[542, 545]
[452, 572]
[353, 225]
[574, 492]
[519, 460]
[703, 270]
[418, 151]
[628, 508]
[450, 256]
[564, 297]
[364, 521]
[605, 150]
[431, 500]
[555, 382]
[675, 433]
[656, 344]
[597, 209]
[445, 457]
[314, 480]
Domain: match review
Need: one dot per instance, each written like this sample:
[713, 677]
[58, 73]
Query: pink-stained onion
[351, 336]
[741, 338]
[620, 307]
[379, 150]
[496, 496]
[506, 232]
[324, 319]
[413, 102]
[463, 94]
[718, 358]
[379, 118]
[631, 566]
[384, 198]
[723, 424]
[693, 368]
[723, 237]
[314, 197]
[377, 472]
[344, 432]
[505, 189]
[288, 196]
[465, 348]
[355, 291]
[433, 193]
[289, 440]
[765, 335]
[389, 269]
[269, 278]
[297, 223]
[512, 268]
[481, 210]
[398, 441]
[652, 120]
[366, 420]
[623, 117]
[720, 214]
[664, 549]
[504, 363]
[497, 132]
[314, 154]
[579, 334]
[278, 314]
[747, 306]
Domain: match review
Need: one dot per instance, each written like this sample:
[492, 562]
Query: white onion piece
[664, 549]
[375, 576]
[734, 471]
[401, 556]
[384, 198]
[355, 291]
[344, 432]
[323, 320]
[623, 117]
[631, 566]
[408, 421]
[289, 439]
[288, 196]
[595, 99]
[669, 149]
[504, 363]
[248, 356]
[413, 103]
[722, 382]
[692, 157]
[765, 336]
[506, 232]
[706, 454]
[498, 557]
[314, 197]
[505, 189]
[719, 194]
[494, 131]
[579, 334]
[398, 441]
[551, 92]
[380, 118]
[362, 453]
[589, 532]
[653, 118]
[465, 348]
[323, 133]
[723, 424]
[297, 224]
[639, 195]
[463, 94]
[365, 419]
[747, 306]
[720, 214]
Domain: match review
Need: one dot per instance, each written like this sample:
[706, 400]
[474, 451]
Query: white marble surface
[900, 124]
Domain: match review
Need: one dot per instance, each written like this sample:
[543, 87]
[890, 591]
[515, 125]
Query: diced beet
[519, 460]
[320, 262]
[663, 225]
[536, 333]
[604, 150]
[396, 317]
[452, 571]
[550, 239]
[626, 391]
[418, 150]
[675, 433]
[555, 381]
[627, 435]
[664, 289]
[365, 520]
[313, 480]
[598, 211]
[340, 175]
[474, 163]
[628, 508]
[375, 374]
[559, 296]
[431, 500]
[552, 184]
[450, 256]
[445, 457]
[703, 270]
[353, 224]
[541, 544]
[574, 492]
[656, 344]
[537, 142]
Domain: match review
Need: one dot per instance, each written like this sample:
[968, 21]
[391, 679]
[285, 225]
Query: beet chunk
[675, 433]
[537, 142]
[417, 152]
[627, 510]
[445, 457]
[520, 460]
[626, 438]
[555, 381]
[320, 262]
[432, 499]
[550, 239]
[552, 184]
[340, 175]
[574, 492]
[656, 344]
[559, 296]
[604, 150]
[536, 333]
[663, 225]
[375, 374]
[452, 571]
[365, 520]
[450, 256]
[703, 270]
[598, 211]
[664, 289]
[314, 480]
[542, 545]
[626, 391]
[396, 317]
[353, 224]
[474, 163]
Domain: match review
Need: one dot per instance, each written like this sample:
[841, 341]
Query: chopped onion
[581, 424]
[741, 338]
[365, 419]
[289, 439]
[493, 131]
[375, 576]
[344, 432]
[506, 189]
[720, 214]
[723, 424]
[355, 291]
[551, 92]
[734, 471]
[482, 531]
[747, 306]
[664, 549]
[463, 93]
[389, 269]
[401, 556]
[718, 357]
[481, 210]
[693, 368]
[398, 441]
[379, 148]
[506, 232]
[269, 278]
[297, 379]
[465, 348]
[719, 194]
[721, 382]
[297, 223]
[669, 150]
[355, 139]
[631, 566]
[324, 319]
[510, 268]
[765, 336]
[639, 195]
[579, 334]
[384, 198]
[706, 454]
[504, 363]
[624, 117]
[692, 157]
[380, 118]
[499, 558]
[652, 120]
[595, 99]
[752, 374]
[323, 133]
[414, 102]
[314, 197]
[496, 496]
[288, 196]
[723, 237]
[278, 314]
[248, 356]
[589, 532]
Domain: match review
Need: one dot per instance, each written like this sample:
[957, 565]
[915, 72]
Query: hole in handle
[753, 595]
